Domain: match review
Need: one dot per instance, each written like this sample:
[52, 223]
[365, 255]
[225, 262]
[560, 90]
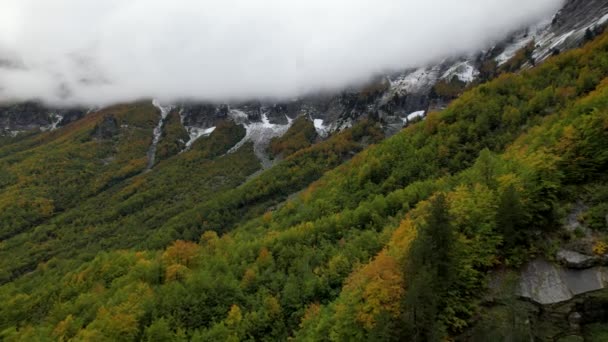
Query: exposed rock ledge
[576, 260]
[547, 283]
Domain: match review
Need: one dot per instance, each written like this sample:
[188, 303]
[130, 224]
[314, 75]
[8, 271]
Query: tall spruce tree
[510, 216]
[430, 260]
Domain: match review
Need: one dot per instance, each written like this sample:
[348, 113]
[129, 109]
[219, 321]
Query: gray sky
[99, 52]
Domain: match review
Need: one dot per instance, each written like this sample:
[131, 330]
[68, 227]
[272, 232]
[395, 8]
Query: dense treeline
[395, 244]
[273, 186]
[51, 173]
[102, 172]
[132, 211]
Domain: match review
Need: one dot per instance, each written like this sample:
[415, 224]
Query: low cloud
[99, 52]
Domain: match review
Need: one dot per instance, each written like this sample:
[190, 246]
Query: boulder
[547, 283]
[576, 260]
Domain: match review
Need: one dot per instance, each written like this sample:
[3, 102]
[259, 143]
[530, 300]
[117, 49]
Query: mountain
[484, 218]
[390, 98]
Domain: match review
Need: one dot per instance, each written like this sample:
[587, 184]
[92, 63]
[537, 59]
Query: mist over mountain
[332, 171]
[96, 53]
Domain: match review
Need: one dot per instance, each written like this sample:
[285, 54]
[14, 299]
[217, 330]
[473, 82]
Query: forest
[352, 238]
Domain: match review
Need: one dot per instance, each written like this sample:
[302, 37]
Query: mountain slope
[397, 242]
[100, 185]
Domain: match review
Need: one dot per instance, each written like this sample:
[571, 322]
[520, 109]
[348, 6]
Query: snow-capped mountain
[392, 99]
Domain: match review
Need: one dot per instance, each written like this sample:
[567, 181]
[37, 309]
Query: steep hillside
[417, 237]
[100, 184]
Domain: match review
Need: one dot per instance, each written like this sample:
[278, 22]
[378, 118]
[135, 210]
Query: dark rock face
[71, 115]
[106, 129]
[593, 310]
[576, 22]
[279, 113]
[203, 115]
[24, 116]
[335, 110]
[407, 103]
[29, 116]
[389, 99]
[569, 318]
[577, 13]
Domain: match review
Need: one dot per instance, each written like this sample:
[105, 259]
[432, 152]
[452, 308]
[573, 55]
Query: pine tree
[509, 218]
[431, 262]
[439, 237]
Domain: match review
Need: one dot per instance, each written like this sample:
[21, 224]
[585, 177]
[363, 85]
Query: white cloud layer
[105, 51]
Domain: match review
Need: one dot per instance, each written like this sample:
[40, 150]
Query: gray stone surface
[582, 281]
[547, 283]
[572, 259]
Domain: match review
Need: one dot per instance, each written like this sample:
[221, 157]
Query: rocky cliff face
[576, 22]
[577, 14]
[393, 99]
[562, 302]
[30, 116]
[547, 283]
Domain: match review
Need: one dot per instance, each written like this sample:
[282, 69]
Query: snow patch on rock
[419, 80]
[322, 130]
[465, 72]
[238, 116]
[195, 133]
[535, 33]
[546, 40]
[414, 115]
[56, 120]
[158, 130]
[260, 134]
[340, 125]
